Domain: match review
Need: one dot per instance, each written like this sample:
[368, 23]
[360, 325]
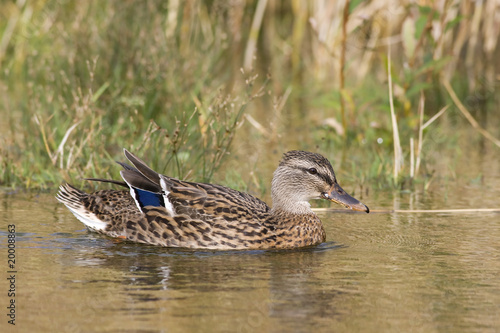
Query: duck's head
[302, 176]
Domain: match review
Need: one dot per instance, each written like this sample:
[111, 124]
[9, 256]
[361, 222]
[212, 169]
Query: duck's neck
[293, 208]
[288, 195]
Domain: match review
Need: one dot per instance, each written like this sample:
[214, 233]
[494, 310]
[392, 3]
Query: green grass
[82, 80]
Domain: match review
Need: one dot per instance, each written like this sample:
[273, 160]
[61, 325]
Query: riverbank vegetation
[216, 90]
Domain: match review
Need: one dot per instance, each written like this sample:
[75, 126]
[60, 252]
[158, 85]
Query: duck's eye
[312, 171]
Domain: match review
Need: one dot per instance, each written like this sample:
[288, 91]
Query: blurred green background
[218, 90]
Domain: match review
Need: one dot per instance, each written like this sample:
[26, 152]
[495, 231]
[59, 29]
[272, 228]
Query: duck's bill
[338, 195]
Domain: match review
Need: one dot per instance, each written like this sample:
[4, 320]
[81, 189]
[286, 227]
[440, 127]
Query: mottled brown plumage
[165, 211]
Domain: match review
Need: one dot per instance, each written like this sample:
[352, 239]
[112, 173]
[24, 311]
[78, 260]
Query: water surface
[378, 272]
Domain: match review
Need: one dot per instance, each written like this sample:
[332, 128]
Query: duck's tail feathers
[112, 181]
[74, 200]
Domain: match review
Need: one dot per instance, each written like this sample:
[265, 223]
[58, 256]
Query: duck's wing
[142, 167]
[146, 185]
[148, 188]
[213, 201]
[206, 216]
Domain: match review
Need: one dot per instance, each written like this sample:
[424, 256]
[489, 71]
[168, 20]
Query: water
[377, 272]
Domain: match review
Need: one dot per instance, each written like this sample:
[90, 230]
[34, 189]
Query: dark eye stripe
[326, 178]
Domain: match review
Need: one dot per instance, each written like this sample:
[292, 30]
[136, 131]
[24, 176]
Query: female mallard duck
[165, 211]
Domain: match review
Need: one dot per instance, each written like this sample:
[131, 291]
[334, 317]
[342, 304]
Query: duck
[164, 211]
